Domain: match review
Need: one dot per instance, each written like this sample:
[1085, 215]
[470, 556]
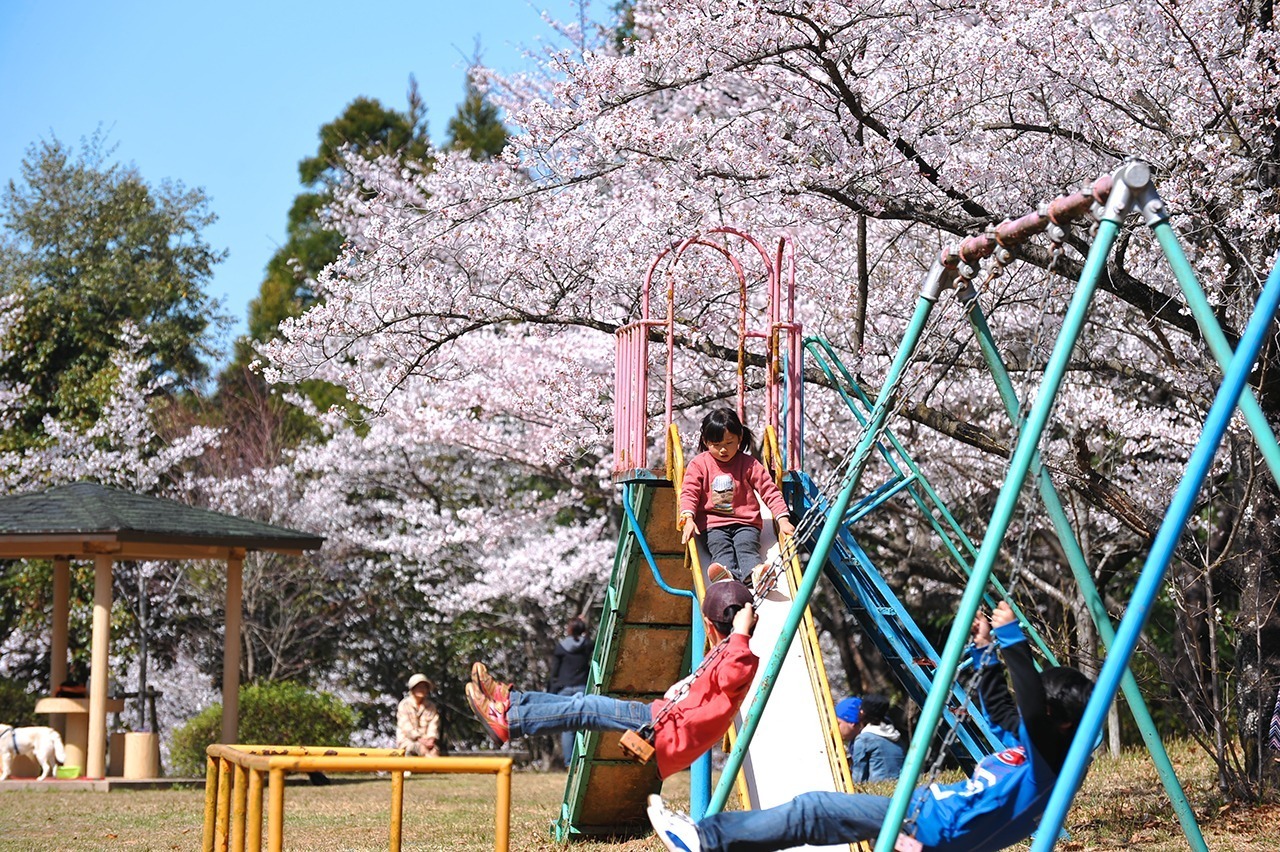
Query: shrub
[271, 713]
[17, 705]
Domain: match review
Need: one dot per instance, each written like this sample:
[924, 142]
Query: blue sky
[229, 96]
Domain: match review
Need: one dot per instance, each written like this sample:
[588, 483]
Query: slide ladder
[642, 647]
[905, 478]
[880, 613]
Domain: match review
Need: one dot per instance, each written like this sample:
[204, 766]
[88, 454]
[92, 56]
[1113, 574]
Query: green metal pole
[1217, 341]
[1080, 570]
[1128, 177]
[925, 498]
[938, 277]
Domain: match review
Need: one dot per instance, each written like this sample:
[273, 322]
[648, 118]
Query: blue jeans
[820, 819]
[736, 547]
[543, 713]
[566, 738]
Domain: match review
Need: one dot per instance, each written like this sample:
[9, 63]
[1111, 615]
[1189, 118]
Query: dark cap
[722, 598]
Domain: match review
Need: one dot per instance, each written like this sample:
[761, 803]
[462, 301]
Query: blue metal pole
[700, 771]
[1089, 590]
[1157, 562]
[1217, 341]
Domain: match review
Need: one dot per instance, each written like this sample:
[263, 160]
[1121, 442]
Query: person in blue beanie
[999, 805]
[873, 743]
[848, 719]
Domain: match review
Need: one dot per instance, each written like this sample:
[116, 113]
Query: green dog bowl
[67, 771]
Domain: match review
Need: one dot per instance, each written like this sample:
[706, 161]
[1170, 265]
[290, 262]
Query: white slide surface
[789, 752]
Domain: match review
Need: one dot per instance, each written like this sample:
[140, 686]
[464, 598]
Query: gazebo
[87, 521]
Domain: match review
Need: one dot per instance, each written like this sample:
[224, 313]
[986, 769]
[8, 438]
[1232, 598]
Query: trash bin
[115, 754]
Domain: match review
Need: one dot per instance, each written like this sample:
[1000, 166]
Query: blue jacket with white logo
[1001, 803]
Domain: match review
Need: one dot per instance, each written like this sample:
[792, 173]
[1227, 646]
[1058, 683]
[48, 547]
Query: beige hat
[421, 678]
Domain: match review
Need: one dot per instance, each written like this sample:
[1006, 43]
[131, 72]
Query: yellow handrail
[675, 473]
[235, 771]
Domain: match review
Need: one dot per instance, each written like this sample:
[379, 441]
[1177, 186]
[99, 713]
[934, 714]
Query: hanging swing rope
[967, 292]
[1064, 208]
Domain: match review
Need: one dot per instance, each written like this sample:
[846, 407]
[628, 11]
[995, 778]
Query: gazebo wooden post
[61, 621]
[96, 759]
[231, 647]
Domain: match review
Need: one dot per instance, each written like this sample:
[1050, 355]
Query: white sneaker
[677, 832]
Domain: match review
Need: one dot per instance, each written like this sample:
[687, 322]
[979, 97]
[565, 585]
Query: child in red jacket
[688, 720]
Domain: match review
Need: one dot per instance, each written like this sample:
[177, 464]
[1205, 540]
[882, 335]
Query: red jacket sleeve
[698, 721]
[694, 486]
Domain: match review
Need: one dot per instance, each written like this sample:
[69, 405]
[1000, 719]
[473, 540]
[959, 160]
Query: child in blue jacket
[998, 806]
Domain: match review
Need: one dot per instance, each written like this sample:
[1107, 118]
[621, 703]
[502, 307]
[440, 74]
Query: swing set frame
[1111, 200]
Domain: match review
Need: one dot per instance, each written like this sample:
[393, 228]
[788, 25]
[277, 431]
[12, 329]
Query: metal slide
[797, 748]
[885, 620]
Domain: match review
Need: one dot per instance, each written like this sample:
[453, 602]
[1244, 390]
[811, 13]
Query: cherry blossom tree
[122, 448]
[427, 554]
[475, 304]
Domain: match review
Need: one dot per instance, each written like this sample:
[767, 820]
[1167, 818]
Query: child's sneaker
[759, 575]
[493, 714]
[717, 572]
[677, 832]
[492, 689]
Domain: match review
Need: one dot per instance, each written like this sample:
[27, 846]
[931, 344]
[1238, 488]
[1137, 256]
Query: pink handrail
[631, 383]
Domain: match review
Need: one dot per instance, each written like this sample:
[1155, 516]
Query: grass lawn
[1121, 807]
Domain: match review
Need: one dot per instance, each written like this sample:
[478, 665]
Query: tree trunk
[144, 627]
[1258, 655]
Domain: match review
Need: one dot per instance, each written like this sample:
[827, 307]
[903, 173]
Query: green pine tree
[477, 126]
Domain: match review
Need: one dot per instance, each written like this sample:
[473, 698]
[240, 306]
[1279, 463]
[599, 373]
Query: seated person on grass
[874, 744]
[687, 721]
[997, 807]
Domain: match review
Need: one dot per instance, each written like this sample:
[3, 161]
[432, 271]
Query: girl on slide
[719, 496]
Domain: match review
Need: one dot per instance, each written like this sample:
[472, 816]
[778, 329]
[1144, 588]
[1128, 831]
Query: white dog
[43, 744]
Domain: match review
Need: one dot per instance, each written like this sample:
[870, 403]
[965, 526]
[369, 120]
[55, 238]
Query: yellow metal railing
[234, 775]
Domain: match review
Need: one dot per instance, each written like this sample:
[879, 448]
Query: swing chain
[1057, 236]
[953, 733]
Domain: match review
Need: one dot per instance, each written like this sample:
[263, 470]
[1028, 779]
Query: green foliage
[271, 713]
[17, 704]
[476, 127]
[370, 130]
[88, 244]
[367, 128]
[624, 31]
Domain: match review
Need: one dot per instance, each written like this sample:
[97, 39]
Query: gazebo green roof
[87, 521]
[93, 518]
